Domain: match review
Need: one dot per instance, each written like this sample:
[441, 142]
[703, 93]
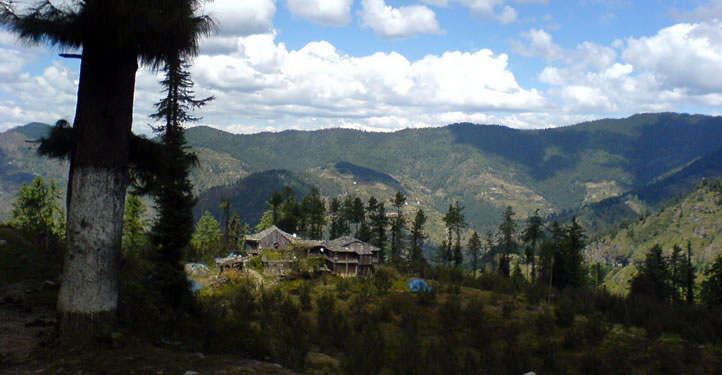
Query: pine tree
[173, 189]
[449, 222]
[573, 259]
[689, 276]
[275, 203]
[550, 255]
[134, 226]
[459, 224]
[474, 248]
[489, 248]
[676, 267]
[290, 212]
[337, 227]
[397, 228]
[314, 213]
[265, 222]
[507, 229]
[347, 215]
[225, 207]
[532, 233]
[377, 216]
[417, 237]
[237, 232]
[711, 292]
[358, 215]
[654, 277]
[206, 237]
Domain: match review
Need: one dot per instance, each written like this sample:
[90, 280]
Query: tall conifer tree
[397, 227]
[172, 189]
[378, 222]
[417, 237]
[507, 230]
[532, 233]
[474, 248]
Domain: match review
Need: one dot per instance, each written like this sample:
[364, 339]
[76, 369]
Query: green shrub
[304, 295]
[383, 279]
[332, 326]
[256, 264]
[289, 335]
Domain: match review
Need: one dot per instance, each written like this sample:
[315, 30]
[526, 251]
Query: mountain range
[600, 170]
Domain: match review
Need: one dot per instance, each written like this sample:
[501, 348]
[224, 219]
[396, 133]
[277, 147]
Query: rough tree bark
[88, 296]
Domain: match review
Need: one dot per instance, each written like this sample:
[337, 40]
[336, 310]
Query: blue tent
[419, 285]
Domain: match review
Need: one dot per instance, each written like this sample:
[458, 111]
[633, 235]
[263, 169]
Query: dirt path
[23, 329]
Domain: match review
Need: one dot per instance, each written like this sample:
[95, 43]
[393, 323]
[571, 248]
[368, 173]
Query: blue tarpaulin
[419, 285]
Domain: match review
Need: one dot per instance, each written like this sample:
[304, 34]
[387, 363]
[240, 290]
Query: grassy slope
[502, 332]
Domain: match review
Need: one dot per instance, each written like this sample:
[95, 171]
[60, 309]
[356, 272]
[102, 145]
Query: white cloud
[507, 15]
[47, 97]
[323, 12]
[687, 56]
[540, 44]
[436, 3]
[7, 38]
[484, 8]
[678, 67]
[318, 86]
[242, 17]
[398, 23]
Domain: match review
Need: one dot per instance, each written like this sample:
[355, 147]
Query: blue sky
[384, 65]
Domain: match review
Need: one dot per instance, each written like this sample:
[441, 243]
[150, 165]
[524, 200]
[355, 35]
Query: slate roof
[348, 244]
[266, 232]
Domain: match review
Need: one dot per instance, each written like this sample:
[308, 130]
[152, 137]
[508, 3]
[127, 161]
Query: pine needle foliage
[172, 188]
[155, 31]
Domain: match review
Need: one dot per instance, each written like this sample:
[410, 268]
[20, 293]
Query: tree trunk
[88, 296]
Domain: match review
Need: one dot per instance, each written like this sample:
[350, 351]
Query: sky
[386, 65]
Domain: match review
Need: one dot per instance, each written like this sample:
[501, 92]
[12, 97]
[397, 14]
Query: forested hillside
[695, 217]
[486, 168]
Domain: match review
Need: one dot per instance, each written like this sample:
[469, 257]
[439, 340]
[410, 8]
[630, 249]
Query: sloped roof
[267, 232]
[349, 245]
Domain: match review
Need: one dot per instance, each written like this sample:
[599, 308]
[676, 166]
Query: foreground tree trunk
[88, 297]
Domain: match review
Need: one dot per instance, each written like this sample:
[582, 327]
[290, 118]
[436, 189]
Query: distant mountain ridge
[488, 167]
[484, 167]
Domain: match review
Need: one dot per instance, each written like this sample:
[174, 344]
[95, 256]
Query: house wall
[274, 241]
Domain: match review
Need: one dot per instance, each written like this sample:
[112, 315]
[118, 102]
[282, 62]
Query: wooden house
[274, 238]
[347, 256]
[270, 238]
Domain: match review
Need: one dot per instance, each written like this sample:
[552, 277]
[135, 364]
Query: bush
[256, 264]
[383, 279]
[289, 335]
[332, 325]
[304, 295]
